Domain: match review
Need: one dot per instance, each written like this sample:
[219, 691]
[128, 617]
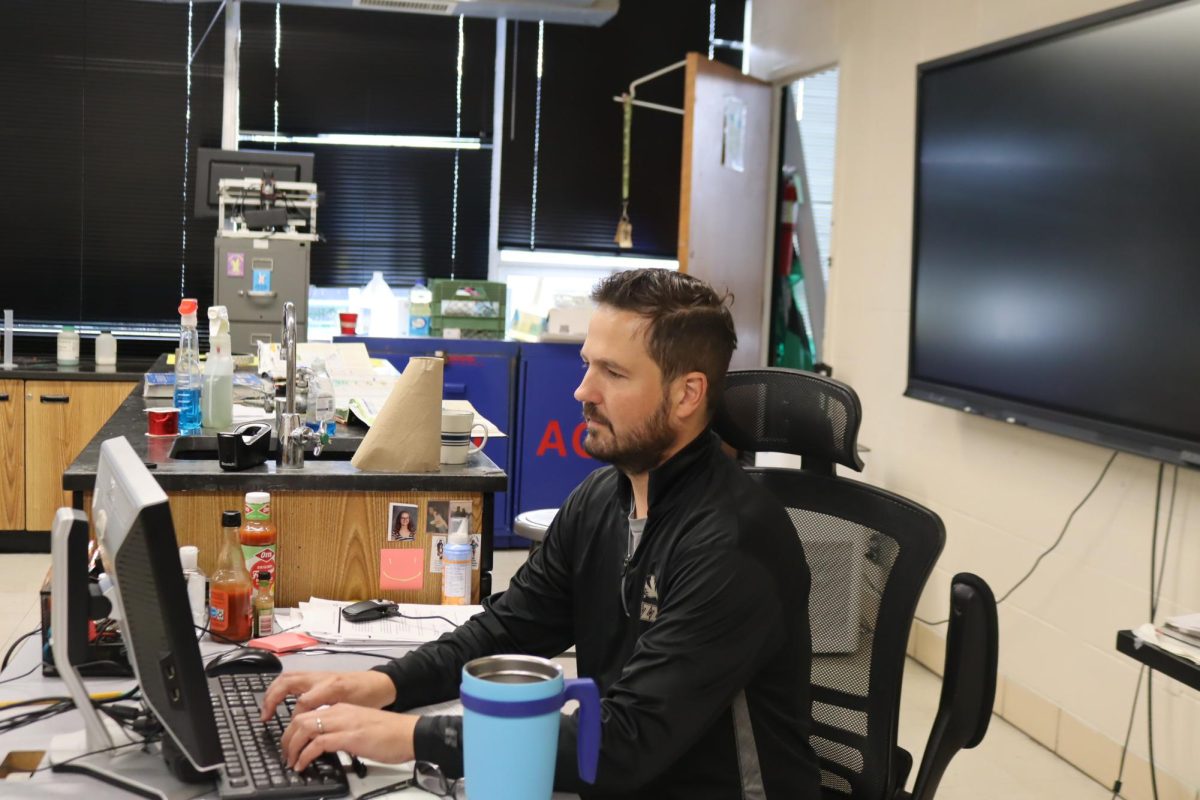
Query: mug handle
[471, 448]
[588, 744]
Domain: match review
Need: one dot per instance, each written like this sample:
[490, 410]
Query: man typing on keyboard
[680, 582]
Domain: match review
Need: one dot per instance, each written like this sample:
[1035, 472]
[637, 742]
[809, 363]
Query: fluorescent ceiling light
[564, 259]
[368, 140]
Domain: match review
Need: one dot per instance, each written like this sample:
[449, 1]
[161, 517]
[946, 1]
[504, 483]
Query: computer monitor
[133, 526]
[213, 164]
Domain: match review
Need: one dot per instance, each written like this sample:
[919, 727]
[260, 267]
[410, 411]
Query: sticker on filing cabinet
[437, 545]
[262, 279]
[235, 265]
[401, 569]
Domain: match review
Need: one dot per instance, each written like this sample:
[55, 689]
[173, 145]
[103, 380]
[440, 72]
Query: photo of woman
[403, 522]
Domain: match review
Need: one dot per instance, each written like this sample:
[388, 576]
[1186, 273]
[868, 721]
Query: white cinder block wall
[1003, 492]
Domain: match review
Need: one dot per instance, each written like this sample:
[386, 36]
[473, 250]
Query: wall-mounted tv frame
[1026, 228]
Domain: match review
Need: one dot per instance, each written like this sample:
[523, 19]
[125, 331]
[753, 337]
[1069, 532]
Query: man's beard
[636, 451]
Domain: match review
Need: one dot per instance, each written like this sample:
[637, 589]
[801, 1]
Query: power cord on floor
[1048, 550]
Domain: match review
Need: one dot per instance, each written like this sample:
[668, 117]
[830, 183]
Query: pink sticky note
[401, 569]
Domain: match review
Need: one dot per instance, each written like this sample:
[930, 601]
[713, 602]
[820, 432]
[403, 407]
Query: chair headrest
[790, 411]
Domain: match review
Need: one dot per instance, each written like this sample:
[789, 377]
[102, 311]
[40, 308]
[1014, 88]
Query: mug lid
[513, 669]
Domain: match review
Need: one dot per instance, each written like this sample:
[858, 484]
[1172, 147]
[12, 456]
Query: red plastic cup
[162, 421]
[349, 322]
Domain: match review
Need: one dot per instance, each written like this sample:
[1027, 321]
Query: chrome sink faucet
[293, 435]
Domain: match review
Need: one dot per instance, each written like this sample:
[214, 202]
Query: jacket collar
[673, 473]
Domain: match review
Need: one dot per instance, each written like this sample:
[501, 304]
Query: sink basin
[34, 362]
[204, 448]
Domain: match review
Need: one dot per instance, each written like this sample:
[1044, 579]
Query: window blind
[383, 209]
[579, 164]
[93, 98]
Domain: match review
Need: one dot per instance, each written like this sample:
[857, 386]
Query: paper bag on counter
[406, 436]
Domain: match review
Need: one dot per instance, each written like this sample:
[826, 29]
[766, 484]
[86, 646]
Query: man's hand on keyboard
[316, 689]
[365, 732]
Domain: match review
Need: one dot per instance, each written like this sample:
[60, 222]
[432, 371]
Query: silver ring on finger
[320, 727]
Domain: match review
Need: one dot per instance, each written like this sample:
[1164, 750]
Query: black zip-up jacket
[700, 644]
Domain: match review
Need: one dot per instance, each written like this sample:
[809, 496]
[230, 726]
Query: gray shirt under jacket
[699, 642]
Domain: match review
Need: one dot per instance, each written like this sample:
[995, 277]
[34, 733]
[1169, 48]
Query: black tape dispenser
[247, 446]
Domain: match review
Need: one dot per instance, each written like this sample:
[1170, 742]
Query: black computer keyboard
[251, 747]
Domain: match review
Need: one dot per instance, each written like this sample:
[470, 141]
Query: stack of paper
[323, 620]
[1185, 628]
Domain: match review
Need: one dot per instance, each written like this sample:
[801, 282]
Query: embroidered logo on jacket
[650, 600]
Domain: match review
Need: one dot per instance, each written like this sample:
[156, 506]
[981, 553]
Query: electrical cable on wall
[1048, 550]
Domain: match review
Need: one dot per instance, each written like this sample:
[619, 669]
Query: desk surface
[1156, 658]
[37, 736]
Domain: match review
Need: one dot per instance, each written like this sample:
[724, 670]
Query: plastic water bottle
[384, 317]
[187, 369]
[319, 415]
[197, 584]
[456, 570]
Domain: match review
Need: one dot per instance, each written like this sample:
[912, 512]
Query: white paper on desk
[349, 358]
[322, 619]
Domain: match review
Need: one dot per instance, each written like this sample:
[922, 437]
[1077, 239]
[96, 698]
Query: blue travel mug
[510, 726]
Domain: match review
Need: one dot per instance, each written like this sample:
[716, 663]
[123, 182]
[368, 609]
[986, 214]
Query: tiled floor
[1007, 764]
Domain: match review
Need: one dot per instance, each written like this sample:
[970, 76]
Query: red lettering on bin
[552, 439]
[577, 440]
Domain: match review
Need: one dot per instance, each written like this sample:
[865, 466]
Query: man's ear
[691, 395]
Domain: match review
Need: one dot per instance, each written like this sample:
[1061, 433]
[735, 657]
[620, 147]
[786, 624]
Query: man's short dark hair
[688, 325]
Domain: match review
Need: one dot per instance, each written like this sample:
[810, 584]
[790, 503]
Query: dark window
[579, 167]
[383, 208]
[92, 104]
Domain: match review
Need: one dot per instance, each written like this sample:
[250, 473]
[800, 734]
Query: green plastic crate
[468, 327]
[477, 314]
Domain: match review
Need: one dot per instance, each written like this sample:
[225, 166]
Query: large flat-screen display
[1056, 249]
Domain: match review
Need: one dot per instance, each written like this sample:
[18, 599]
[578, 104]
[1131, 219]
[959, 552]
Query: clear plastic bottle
[197, 584]
[384, 317]
[456, 570]
[216, 398]
[264, 606]
[321, 405]
[230, 611]
[187, 369]
[106, 350]
[68, 346]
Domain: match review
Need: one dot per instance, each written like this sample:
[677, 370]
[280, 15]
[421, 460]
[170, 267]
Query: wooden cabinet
[61, 417]
[332, 544]
[12, 455]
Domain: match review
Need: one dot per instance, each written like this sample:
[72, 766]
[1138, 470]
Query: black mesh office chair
[870, 553]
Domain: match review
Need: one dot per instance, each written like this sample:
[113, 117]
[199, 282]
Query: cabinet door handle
[4, 397]
[56, 398]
